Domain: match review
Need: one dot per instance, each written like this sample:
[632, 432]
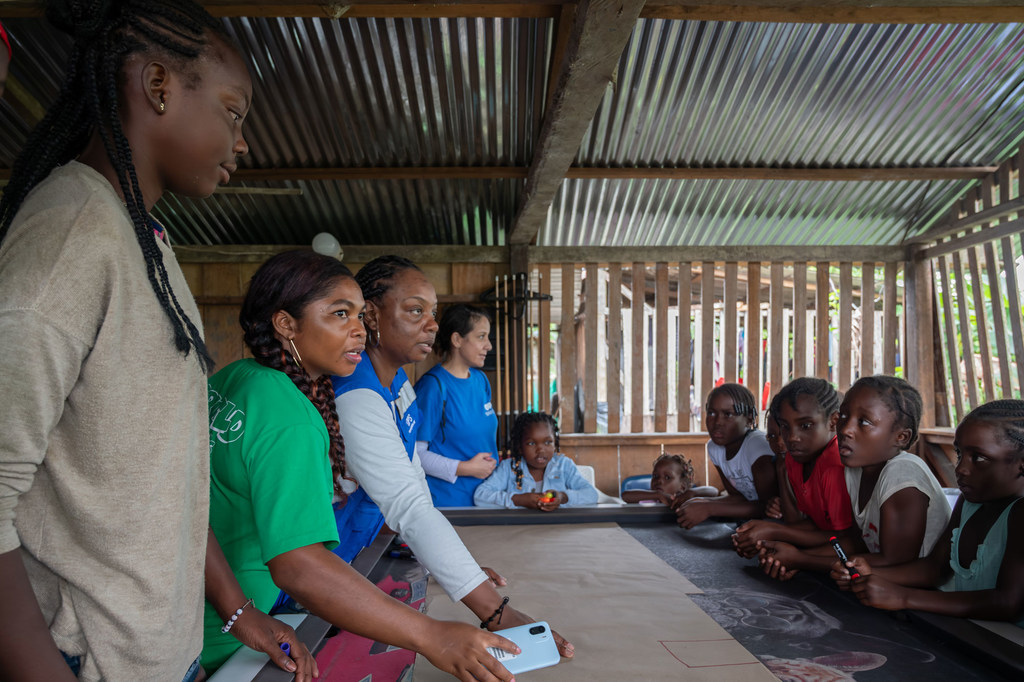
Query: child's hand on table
[774, 556]
[692, 512]
[746, 536]
[841, 573]
[550, 500]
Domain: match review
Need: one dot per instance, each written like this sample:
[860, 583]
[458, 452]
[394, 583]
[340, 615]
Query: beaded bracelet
[496, 614]
[235, 615]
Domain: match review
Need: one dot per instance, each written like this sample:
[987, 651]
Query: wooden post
[778, 346]
[920, 349]
[636, 368]
[661, 347]
[544, 339]
[684, 378]
[799, 321]
[889, 321]
[567, 350]
[591, 314]
[867, 319]
[729, 337]
[753, 379]
[822, 318]
[613, 371]
[707, 332]
[844, 361]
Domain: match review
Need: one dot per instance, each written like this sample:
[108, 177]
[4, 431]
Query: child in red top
[806, 411]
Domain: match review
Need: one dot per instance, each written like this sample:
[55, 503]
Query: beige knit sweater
[104, 467]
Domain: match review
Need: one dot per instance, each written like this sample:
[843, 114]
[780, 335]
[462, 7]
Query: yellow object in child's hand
[547, 497]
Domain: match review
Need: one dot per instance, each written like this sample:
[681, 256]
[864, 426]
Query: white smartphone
[537, 644]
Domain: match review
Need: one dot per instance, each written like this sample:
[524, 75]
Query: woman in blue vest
[458, 426]
[378, 417]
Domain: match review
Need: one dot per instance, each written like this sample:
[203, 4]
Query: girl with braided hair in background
[103, 560]
[553, 480]
[806, 410]
[899, 508]
[378, 416]
[976, 564]
[277, 459]
[740, 453]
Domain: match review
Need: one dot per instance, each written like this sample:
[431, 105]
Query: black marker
[842, 555]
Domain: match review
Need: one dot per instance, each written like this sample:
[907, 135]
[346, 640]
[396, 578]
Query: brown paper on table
[624, 609]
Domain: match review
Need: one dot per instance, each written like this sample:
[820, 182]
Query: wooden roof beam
[600, 31]
[786, 11]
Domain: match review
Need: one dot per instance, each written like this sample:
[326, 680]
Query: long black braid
[105, 33]
[1007, 415]
[900, 397]
[523, 422]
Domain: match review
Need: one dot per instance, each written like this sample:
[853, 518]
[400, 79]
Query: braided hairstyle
[743, 401]
[457, 319]
[378, 276]
[1008, 415]
[685, 466]
[902, 399]
[289, 281]
[825, 396]
[519, 427]
[105, 33]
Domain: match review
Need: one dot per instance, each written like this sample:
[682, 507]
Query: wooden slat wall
[722, 291]
[567, 350]
[978, 298]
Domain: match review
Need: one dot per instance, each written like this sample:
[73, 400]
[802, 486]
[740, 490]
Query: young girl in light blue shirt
[546, 482]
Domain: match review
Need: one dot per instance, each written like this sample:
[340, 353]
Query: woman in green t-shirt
[277, 458]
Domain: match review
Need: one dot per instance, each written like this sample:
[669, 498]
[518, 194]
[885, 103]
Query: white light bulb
[326, 244]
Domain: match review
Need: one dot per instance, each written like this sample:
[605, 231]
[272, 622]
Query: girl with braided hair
[899, 508]
[976, 564]
[103, 452]
[806, 410]
[378, 415]
[553, 481]
[277, 459]
[740, 453]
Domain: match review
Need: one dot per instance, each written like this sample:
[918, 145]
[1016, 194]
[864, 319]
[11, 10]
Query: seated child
[806, 410]
[975, 566]
[898, 505]
[554, 480]
[740, 453]
[672, 479]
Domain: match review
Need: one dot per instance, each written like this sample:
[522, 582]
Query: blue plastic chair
[641, 482]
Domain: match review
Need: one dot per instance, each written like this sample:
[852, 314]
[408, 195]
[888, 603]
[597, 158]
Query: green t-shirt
[271, 485]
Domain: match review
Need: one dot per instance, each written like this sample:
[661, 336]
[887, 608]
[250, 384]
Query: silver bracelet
[235, 615]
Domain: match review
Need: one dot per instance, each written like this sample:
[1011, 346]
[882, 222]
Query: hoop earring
[295, 352]
[376, 337]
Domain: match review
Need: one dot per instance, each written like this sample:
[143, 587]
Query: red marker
[842, 555]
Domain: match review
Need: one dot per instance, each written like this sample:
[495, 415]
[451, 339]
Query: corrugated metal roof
[470, 92]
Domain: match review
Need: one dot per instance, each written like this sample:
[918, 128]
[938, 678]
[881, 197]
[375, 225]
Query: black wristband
[496, 614]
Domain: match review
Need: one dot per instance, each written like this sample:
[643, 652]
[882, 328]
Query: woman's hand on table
[461, 650]
[261, 632]
[497, 579]
[480, 466]
[510, 618]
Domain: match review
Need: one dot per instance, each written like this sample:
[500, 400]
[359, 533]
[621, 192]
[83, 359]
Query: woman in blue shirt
[456, 434]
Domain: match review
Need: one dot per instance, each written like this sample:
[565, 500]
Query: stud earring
[295, 352]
